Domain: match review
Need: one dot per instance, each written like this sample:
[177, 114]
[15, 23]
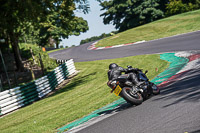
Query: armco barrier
[21, 96]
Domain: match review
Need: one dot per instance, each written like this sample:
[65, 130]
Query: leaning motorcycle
[133, 94]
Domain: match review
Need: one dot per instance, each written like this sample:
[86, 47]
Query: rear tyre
[130, 97]
[155, 89]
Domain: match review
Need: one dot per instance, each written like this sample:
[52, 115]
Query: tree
[61, 23]
[180, 6]
[194, 2]
[176, 7]
[18, 15]
[14, 18]
[162, 5]
[95, 38]
[57, 29]
[126, 14]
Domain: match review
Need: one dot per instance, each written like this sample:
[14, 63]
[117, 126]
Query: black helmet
[129, 66]
[113, 65]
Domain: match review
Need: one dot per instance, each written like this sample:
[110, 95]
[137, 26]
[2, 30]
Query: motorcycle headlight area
[144, 87]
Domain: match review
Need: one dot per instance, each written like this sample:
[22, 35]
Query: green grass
[51, 51]
[182, 23]
[85, 93]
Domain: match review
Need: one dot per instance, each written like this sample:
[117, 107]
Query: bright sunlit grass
[51, 51]
[85, 93]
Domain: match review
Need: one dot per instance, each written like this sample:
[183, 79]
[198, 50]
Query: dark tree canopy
[59, 25]
[54, 18]
[126, 14]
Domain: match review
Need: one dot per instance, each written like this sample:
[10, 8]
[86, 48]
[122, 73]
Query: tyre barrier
[59, 61]
[15, 98]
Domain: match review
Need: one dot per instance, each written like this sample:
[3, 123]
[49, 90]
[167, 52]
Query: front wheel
[155, 89]
[129, 96]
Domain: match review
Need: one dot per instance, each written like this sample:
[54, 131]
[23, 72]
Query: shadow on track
[185, 89]
[197, 131]
[121, 107]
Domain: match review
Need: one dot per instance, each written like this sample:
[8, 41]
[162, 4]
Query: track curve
[175, 110]
[184, 42]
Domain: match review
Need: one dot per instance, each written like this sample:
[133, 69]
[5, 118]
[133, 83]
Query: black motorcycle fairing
[142, 76]
[122, 78]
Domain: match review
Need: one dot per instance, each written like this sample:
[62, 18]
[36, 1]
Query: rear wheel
[155, 89]
[129, 96]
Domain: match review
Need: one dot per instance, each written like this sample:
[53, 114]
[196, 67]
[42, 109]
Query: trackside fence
[15, 98]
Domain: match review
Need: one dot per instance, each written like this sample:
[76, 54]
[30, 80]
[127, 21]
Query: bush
[49, 63]
[176, 7]
[179, 6]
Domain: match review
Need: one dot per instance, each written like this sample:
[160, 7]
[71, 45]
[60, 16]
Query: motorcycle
[133, 94]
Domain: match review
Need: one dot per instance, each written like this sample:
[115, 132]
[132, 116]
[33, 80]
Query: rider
[115, 71]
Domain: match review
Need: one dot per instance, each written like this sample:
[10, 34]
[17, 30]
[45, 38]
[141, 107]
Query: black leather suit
[114, 73]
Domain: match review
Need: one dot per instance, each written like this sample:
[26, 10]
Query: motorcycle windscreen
[142, 77]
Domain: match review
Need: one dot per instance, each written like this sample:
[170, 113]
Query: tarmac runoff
[180, 64]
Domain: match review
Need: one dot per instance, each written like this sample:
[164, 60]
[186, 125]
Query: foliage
[85, 93]
[49, 63]
[176, 7]
[195, 3]
[162, 5]
[181, 6]
[95, 38]
[59, 25]
[21, 17]
[126, 14]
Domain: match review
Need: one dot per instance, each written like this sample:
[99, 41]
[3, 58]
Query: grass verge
[85, 93]
[51, 51]
[178, 24]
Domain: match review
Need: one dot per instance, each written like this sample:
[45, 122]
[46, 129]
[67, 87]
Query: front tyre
[155, 89]
[130, 97]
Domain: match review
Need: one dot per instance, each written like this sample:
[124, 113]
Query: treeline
[126, 14]
[94, 38]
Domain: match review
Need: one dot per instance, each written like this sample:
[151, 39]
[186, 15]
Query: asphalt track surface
[175, 110]
[183, 42]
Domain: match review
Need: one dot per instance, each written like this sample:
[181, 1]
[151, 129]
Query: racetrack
[175, 110]
[184, 42]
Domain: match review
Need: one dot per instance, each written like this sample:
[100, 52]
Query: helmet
[129, 66]
[113, 65]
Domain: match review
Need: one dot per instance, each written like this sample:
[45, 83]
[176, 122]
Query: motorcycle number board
[117, 90]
